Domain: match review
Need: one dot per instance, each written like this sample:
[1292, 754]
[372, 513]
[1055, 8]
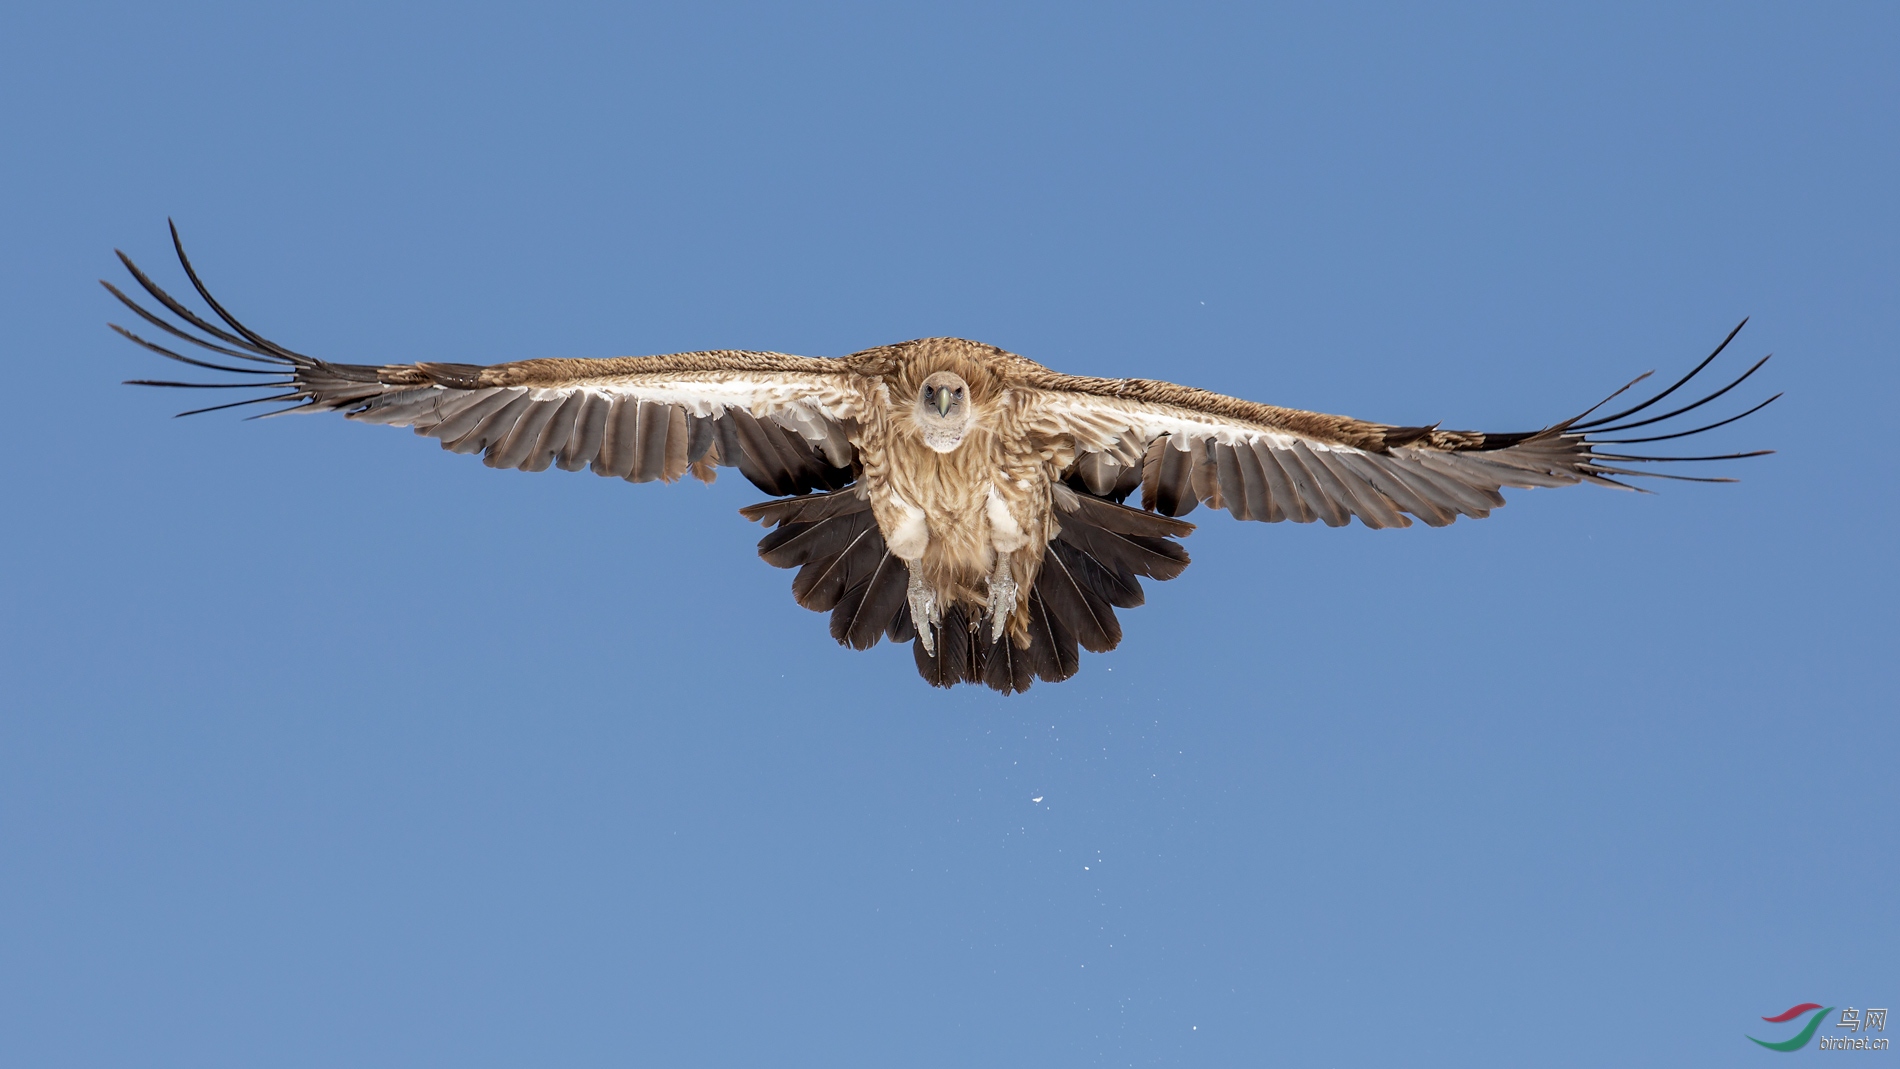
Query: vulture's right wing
[783, 421]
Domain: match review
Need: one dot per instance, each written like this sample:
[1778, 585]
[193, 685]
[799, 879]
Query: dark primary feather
[254, 338]
[191, 317]
[193, 361]
[1576, 424]
[1565, 452]
[1687, 433]
[168, 328]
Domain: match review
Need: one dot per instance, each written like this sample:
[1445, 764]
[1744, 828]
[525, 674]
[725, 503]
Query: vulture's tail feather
[1091, 568]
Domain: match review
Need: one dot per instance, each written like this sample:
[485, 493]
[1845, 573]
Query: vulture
[941, 492]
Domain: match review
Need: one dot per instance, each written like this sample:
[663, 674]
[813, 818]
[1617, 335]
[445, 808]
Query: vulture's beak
[943, 403]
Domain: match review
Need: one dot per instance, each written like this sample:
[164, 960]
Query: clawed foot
[925, 614]
[1002, 599]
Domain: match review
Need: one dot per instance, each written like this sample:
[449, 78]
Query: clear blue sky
[321, 746]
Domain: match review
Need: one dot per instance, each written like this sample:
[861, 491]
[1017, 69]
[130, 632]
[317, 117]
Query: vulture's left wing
[783, 421]
[1183, 447]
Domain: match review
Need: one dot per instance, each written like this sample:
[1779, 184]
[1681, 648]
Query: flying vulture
[942, 492]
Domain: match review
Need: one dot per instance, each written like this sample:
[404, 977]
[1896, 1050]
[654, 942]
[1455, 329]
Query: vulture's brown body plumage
[942, 492]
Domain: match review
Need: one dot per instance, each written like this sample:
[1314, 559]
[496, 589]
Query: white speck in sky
[1037, 798]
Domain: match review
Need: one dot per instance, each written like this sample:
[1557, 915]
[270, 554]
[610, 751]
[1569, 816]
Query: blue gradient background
[322, 746]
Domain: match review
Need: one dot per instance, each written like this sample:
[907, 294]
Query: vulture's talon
[924, 613]
[1002, 599]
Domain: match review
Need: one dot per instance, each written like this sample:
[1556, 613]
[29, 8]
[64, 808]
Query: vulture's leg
[925, 613]
[1002, 597]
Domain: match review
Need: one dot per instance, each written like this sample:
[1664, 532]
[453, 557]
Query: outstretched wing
[783, 421]
[1183, 447]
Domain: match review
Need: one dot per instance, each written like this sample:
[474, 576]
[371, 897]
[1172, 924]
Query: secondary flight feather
[943, 492]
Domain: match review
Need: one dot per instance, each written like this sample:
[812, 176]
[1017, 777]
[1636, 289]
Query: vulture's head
[943, 410]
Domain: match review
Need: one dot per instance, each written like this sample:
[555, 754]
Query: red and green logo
[1800, 1039]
